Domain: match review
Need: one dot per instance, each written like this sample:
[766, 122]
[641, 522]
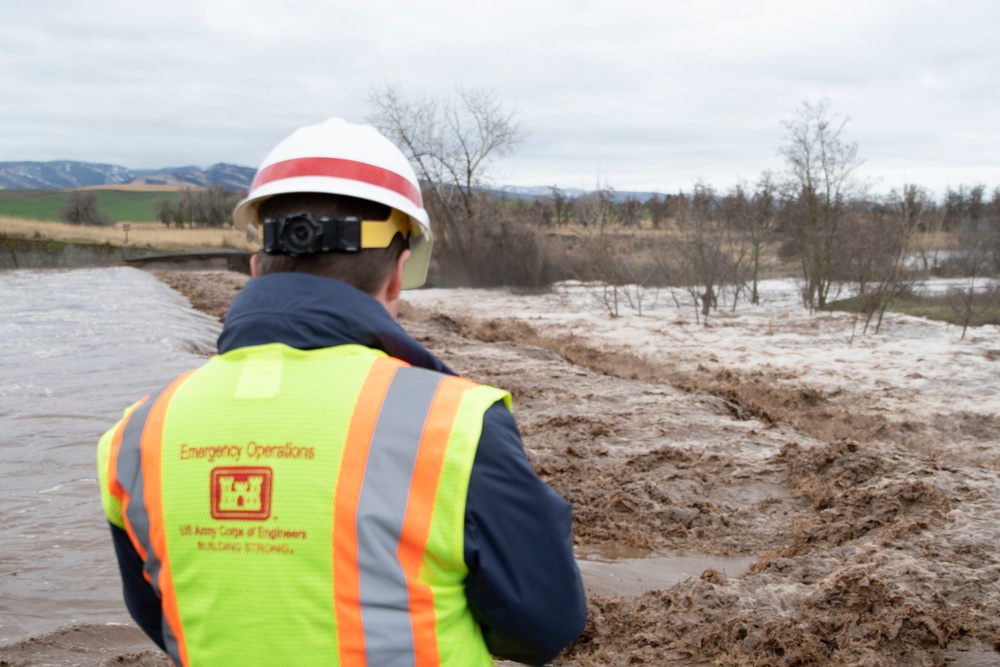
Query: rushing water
[76, 348]
[615, 571]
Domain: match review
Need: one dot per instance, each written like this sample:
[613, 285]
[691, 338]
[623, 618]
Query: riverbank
[211, 292]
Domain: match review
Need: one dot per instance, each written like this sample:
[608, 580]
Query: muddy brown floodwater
[722, 516]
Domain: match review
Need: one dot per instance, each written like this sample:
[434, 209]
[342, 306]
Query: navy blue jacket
[524, 588]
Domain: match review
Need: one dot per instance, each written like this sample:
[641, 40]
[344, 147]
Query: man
[326, 491]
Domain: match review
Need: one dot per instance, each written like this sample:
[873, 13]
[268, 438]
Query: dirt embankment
[211, 292]
[869, 545]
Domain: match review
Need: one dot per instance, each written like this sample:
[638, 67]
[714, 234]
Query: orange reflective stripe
[152, 445]
[419, 509]
[347, 578]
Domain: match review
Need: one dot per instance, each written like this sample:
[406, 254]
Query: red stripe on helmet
[338, 168]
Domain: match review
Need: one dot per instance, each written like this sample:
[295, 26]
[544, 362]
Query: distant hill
[64, 174]
[231, 176]
[60, 174]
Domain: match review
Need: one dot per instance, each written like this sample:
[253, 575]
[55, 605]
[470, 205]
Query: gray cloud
[643, 96]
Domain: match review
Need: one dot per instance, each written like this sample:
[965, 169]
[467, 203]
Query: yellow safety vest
[303, 507]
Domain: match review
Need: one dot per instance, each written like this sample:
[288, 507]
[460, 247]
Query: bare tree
[594, 209]
[198, 207]
[81, 208]
[630, 212]
[618, 270]
[562, 205]
[977, 230]
[544, 211]
[215, 204]
[970, 214]
[964, 204]
[917, 204]
[657, 210]
[702, 246]
[993, 225]
[876, 242]
[164, 211]
[185, 208]
[750, 215]
[908, 209]
[821, 166]
[453, 142]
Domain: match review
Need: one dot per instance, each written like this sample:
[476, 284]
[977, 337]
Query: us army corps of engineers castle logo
[242, 492]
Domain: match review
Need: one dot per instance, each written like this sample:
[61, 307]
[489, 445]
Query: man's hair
[367, 269]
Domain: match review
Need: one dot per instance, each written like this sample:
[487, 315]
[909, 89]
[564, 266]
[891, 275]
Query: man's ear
[253, 264]
[395, 286]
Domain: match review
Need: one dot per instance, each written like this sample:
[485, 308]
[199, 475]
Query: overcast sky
[639, 95]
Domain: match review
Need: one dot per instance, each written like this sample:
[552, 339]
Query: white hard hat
[342, 158]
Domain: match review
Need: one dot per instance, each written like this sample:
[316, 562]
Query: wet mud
[85, 645]
[867, 545]
[866, 540]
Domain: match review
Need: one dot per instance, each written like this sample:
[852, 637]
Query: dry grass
[668, 228]
[934, 241]
[141, 234]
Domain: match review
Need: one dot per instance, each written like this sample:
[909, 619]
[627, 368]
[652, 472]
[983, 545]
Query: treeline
[816, 216]
[194, 208]
[82, 208]
[723, 241]
[209, 207]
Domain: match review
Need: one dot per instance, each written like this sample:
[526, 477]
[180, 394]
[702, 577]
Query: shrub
[82, 209]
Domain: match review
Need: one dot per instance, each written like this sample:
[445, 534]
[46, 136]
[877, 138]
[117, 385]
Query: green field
[981, 310]
[121, 205]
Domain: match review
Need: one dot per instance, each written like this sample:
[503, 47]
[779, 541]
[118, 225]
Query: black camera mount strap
[302, 234]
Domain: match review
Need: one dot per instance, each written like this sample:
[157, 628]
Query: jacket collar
[309, 312]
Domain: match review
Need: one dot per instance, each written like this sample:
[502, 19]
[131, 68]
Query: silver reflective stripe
[130, 478]
[385, 612]
[129, 464]
[170, 642]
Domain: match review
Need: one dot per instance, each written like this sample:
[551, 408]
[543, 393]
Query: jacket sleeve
[524, 587]
[140, 600]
